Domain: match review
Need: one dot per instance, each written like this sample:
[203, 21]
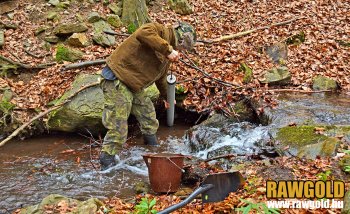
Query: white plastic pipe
[171, 80]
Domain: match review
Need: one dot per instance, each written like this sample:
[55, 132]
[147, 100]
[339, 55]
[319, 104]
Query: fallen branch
[18, 130]
[298, 91]
[194, 66]
[116, 33]
[236, 35]
[83, 64]
[26, 66]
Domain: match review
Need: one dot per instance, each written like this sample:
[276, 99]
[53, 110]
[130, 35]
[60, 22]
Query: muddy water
[64, 164]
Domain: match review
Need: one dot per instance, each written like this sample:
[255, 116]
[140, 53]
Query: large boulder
[310, 141]
[84, 112]
[61, 204]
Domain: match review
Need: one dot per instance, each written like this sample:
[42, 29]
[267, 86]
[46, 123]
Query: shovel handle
[192, 196]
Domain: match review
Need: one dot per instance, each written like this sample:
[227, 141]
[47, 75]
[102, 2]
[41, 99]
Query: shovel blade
[224, 184]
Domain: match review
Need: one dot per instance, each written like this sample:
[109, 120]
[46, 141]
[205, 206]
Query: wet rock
[68, 29]
[94, 17]
[278, 53]
[51, 39]
[116, 8]
[84, 111]
[220, 135]
[324, 83]
[114, 20]
[141, 187]
[310, 141]
[2, 38]
[194, 174]
[277, 76]
[67, 54]
[346, 208]
[100, 37]
[61, 202]
[78, 40]
[181, 7]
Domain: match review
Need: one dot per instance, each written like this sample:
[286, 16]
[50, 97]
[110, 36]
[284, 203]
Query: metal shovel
[215, 187]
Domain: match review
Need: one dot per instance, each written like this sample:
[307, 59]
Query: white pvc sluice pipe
[171, 80]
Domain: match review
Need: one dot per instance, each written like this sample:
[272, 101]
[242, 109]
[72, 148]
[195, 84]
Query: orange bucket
[164, 171]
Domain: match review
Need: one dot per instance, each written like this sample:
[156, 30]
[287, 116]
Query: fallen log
[18, 130]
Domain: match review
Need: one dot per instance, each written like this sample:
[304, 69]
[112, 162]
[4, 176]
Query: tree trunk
[135, 13]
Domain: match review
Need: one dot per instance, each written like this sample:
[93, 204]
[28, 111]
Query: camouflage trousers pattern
[119, 103]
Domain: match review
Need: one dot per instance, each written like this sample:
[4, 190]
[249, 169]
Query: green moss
[66, 54]
[248, 73]
[299, 135]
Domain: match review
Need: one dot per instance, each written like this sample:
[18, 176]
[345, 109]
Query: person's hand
[174, 56]
[167, 105]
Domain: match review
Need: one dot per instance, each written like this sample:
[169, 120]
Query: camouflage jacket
[142, 58]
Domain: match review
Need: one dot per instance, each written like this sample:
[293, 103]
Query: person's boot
[150, 140]
[107, 160]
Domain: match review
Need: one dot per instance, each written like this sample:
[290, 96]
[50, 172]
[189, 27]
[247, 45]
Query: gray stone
[114, 20]
[51, 39]
[78, 40]
[277, 76]
[54, 2]
[100, 37]
[181, 7]
[278, 53]
[84, 111]
[116, 8]
[2, 38]
[324, 83]
[40, 30]
[94, 17]
[67, 29]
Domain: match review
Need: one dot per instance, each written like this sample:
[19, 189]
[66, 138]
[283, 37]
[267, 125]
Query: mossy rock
[2, 38]
[67, 54]
[114, 20]
[116, 8]
[278, 76]
[181, 7]
[94, 17]
[68, 29]
[324, 83]
[248, 73]
[52, 39]
[75, 206]
[100, 37]
[346, 208]
[51, 15]
[84, 111]
[307, 141]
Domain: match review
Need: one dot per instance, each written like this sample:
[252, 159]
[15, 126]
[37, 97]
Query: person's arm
[149, 35]
[162, 87]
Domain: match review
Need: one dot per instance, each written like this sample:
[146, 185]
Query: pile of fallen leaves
[324, 24]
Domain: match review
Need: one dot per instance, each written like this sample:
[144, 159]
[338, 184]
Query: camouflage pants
[119, 103]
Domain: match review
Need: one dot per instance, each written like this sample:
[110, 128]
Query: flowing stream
[62, 164]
